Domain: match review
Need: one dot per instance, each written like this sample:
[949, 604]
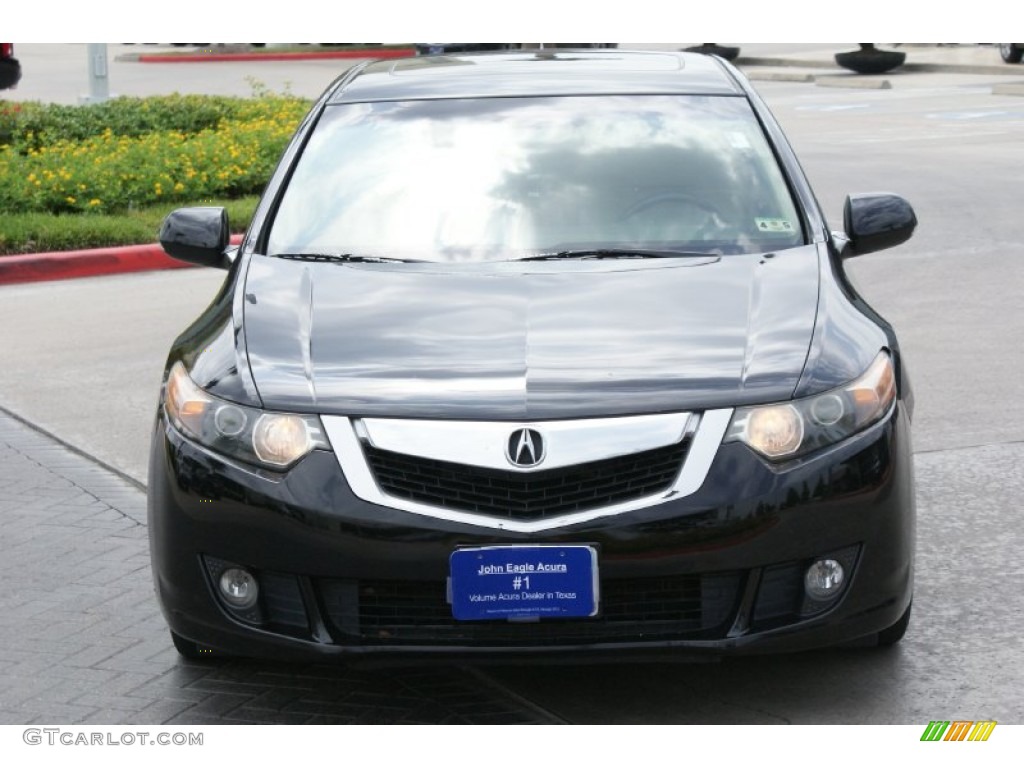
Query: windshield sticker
[774, 226]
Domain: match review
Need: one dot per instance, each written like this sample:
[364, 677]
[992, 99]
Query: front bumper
[718, 571]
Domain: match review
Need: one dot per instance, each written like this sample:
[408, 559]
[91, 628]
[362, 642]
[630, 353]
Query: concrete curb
[781, 77]
[854, 81]
[67, 265]
[396, 53]
[191, 58]
[1008, 89]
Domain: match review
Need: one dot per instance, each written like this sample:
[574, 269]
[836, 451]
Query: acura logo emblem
[525, 448]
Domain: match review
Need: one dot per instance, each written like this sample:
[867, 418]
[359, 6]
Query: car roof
[537, 73]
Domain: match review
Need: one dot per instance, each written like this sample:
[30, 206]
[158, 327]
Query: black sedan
[535, 353]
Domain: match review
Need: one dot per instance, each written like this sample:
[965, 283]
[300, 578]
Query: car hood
[529, 341]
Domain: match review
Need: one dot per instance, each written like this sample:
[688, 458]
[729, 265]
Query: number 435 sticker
[774, 226]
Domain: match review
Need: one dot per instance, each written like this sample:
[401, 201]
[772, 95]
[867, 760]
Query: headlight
[787, 430]
[276, 440]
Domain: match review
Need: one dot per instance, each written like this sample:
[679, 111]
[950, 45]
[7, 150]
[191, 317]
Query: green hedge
[32, 125]
[133, 153]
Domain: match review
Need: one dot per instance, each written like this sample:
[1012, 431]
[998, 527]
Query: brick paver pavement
[82, 639]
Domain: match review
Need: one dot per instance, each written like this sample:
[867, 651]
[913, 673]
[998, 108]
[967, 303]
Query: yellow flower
[94, 202]
[70, 200]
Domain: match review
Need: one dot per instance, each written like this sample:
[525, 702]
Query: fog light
[824, 579]
[238, 587]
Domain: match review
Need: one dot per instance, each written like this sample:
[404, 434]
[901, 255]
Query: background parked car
[10, 69]
[1011, 52]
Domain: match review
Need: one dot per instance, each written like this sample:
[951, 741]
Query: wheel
[192, 651]
[895, 633]
[1011, 52]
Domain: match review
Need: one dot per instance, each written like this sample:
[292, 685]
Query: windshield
[497, 179]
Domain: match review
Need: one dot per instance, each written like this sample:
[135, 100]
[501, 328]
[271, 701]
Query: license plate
[524, 582]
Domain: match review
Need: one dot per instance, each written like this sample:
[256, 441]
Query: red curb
[66, 265]
[362, 53]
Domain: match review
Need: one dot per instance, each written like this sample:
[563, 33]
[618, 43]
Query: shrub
[31, 125]
[106, 174]
[228, 150]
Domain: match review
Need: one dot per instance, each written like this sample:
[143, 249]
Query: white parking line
[830, 107]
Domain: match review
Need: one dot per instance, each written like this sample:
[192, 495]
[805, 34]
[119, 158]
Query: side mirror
[876, 221]
[197, 235]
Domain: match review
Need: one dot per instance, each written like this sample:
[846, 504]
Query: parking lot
[81, 637]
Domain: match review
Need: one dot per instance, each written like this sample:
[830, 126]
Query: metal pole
[99, 82]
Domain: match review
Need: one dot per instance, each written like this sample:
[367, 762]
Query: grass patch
[39, 232]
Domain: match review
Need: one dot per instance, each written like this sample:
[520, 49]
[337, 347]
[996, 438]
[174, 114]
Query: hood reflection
[568, 339]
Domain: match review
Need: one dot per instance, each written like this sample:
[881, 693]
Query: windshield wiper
[342, 258]
[618, 253]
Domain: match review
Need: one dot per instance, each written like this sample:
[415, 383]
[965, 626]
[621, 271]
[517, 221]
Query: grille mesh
[283, 600]
[647, 609]
[526, 496]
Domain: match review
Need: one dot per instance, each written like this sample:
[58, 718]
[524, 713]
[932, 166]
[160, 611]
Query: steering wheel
[674, 199]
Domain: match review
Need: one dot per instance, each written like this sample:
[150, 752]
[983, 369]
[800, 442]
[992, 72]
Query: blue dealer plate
[526, 582]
